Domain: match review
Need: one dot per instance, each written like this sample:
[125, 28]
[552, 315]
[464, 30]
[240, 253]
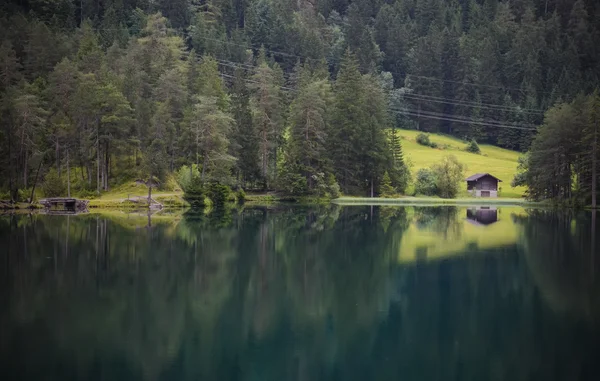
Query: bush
[325, 185]
[86, 194]
[194, 193]
[218, 193]
[473, 147]
[386, 189]
[185, 176]
[333, 188]
[292, 182]
[448, 175]
[425, 182]
[53, 185]
[240, 195]
[423, 139]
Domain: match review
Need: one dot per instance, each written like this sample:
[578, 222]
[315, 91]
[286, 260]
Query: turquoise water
[298, 293]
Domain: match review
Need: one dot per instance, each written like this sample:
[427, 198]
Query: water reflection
[483, 215]
[288, 293]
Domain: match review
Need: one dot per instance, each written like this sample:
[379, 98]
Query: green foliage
[425, 182]
[240, 195]
[448, 176]
[424, 140]
[120, 89]
[53, 185]
[292, 182]
[218, 193]
[386, 189]
[194, 192]
[560, 163]
[473, 147]
[186, 175]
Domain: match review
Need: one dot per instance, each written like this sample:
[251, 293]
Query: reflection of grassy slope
[497, 161]
[135, 220]
[426, 243]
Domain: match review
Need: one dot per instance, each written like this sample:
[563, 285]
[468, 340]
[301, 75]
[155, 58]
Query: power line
[449, 119]
[414, 96]
[459, 117]
[406, 112]
[426, 115]
[499, 107]
[407, 75]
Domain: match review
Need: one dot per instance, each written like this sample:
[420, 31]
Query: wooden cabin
[483, 185]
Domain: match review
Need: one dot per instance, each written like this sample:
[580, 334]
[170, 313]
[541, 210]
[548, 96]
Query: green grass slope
[499, 162]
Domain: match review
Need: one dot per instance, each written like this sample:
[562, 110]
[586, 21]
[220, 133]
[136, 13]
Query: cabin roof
[477, 176]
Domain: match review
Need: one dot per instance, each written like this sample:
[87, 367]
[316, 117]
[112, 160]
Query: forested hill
[288, 94]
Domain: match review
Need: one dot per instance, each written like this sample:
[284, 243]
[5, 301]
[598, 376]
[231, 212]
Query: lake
[301, 293]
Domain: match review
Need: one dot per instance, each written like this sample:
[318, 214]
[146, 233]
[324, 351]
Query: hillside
[500, 162]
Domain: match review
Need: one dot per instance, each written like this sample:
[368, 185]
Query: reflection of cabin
[484, 215]
[483, 185]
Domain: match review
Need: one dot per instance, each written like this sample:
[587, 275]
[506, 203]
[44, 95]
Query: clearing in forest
[497, 161]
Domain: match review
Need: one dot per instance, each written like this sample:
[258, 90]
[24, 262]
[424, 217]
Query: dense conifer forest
[298, 96]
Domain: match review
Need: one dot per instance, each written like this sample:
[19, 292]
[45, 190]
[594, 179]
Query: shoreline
[427, 201]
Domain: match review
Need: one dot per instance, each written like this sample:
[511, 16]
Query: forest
[297, 96]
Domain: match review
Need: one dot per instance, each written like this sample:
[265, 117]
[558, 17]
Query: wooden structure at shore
[66, 204]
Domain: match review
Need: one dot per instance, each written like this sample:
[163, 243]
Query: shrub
[53, 185]
[448, 175]
[194, 193]
[423, 139]
[332, 186]
[86, 194]
[240, 195]
[425, 182]
[473, 147]
[325, 185]
[292, 182]
[186, 175]
[218, 193]
[386, 189]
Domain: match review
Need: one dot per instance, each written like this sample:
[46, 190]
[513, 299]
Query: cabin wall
[487, 183]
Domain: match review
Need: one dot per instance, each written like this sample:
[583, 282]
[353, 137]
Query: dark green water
[327, 293]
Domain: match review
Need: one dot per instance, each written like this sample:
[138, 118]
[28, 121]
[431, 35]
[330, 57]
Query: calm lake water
[291, 293]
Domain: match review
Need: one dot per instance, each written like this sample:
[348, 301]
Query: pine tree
[386, 189]
[211, 126]
[244, 137]
[349, 119]
[309, 123]
[267, 111]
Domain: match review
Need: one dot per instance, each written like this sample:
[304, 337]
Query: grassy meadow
[499, 162]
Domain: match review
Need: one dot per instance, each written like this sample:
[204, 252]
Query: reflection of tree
[439, 219]
[284, 293]
[560, 252]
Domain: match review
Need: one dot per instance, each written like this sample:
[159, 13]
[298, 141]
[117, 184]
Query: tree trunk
[57, 155]
[106, 166]
[204, 163]
[35, 180]
[25, 166]
[372, 188]
[149, 193]
[10, 166]
[594, 159]
[97, 161]
[68, 176]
